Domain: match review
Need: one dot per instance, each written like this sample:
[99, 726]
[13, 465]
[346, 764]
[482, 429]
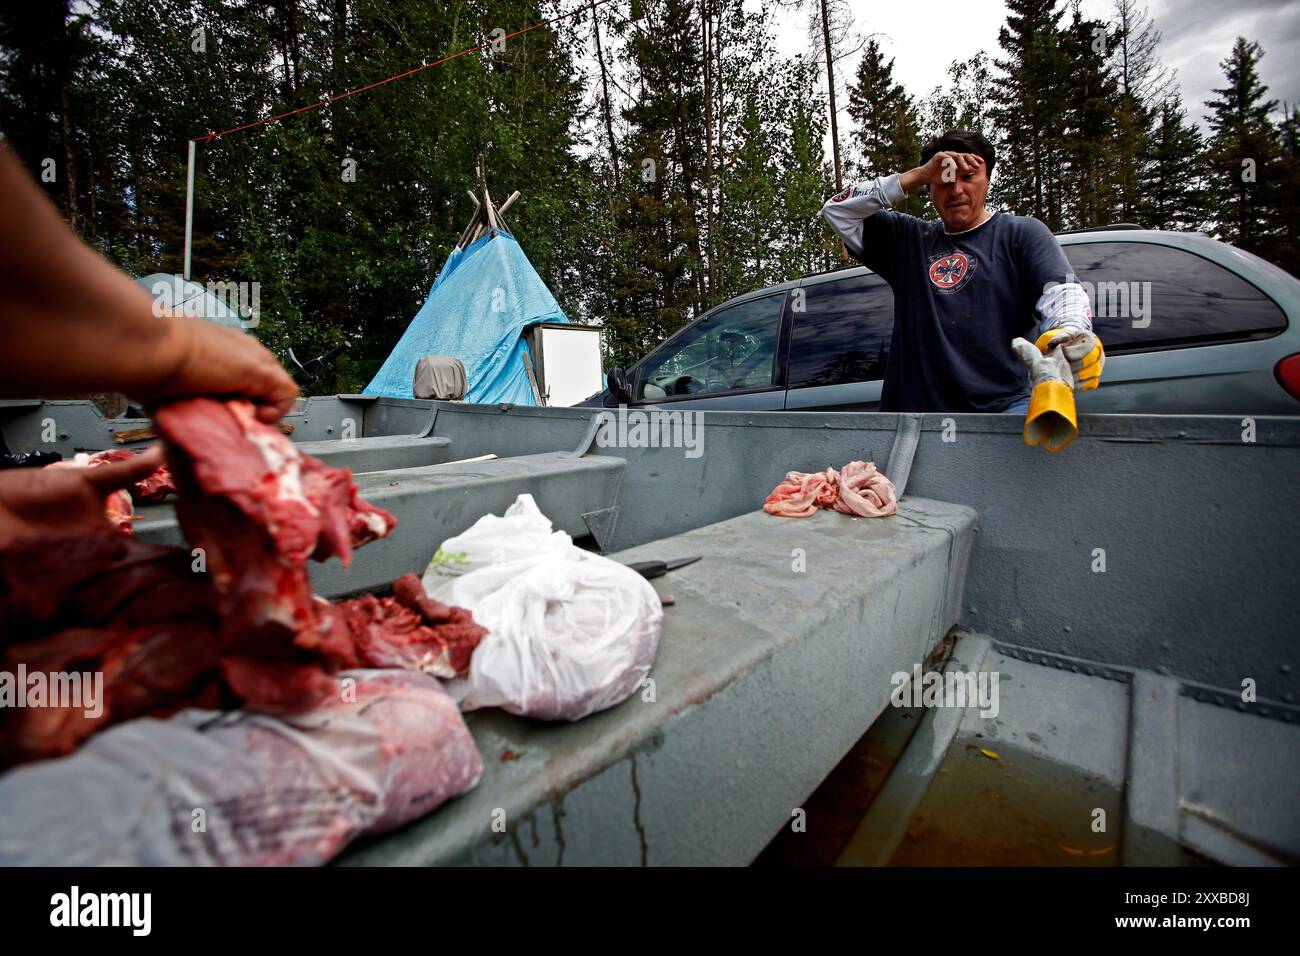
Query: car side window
[1147, 296]
[842, 333]
[731, 350]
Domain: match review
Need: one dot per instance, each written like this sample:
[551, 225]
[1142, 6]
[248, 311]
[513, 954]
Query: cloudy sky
[1197, 37]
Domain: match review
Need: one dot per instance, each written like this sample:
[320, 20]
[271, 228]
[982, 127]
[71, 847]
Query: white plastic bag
[569, 632]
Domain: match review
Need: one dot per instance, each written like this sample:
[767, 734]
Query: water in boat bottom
[988, 805]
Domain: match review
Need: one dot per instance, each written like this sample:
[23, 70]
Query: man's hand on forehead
[949, 165]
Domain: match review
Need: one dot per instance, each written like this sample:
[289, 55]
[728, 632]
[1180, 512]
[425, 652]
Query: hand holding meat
[45, 500]
[198, 358]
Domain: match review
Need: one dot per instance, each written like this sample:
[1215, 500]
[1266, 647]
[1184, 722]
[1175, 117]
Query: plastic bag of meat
[211, 788]
[569, 632]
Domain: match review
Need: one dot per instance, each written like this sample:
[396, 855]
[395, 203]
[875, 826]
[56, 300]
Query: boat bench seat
[776, 656]
[435, 502]
[381, 452]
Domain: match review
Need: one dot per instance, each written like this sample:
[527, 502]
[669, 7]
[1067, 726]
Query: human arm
[1062, 308]
[73, 324]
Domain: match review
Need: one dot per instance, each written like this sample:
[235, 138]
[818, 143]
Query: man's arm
[72, 324]
[1066, 357]
[1061, 302]
[850, 213]
[1062, 306]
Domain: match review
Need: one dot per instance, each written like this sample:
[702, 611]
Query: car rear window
[1148, 297]
[842, 334]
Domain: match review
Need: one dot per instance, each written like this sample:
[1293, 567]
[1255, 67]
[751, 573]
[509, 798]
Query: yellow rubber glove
[1051, 420]
[1083, 351]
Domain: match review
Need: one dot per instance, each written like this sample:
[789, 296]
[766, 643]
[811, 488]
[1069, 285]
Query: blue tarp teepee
[485, 296]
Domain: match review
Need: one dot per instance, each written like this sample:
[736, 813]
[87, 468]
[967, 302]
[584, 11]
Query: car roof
[1274, 281]
[1191, 241]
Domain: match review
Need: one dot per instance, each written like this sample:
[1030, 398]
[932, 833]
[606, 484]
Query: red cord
[370, 86]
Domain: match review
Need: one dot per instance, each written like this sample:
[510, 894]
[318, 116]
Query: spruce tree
[885, 134]
[657, 277]
[1243, 155]
[1172, 188]
[1144, 86]
[1284, 249]
[1028, 102]
[1089, 146]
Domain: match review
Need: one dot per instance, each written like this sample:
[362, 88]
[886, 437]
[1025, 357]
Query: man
[966, 287]
[73, 324]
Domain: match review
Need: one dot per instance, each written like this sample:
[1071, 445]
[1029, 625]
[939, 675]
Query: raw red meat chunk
[100, 601]
[238, 624]
[412, 630]
[155, 487]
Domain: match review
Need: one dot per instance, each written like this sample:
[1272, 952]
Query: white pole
[189, 212]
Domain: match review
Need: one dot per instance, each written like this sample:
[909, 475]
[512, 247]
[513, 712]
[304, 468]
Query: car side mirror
[619, 387]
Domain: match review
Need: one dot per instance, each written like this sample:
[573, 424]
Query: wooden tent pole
[473, 221]
[486, 216]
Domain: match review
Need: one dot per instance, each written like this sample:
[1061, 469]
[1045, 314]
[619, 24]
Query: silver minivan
[1191, 325]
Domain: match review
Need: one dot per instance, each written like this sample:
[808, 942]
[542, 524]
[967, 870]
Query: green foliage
[1029, 100]
[1172, 192]
[885, 130]
[1090, 146]
[339, 257]
[1244, 154]
[966, 101]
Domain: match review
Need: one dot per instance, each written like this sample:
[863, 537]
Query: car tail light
[1288, 375]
